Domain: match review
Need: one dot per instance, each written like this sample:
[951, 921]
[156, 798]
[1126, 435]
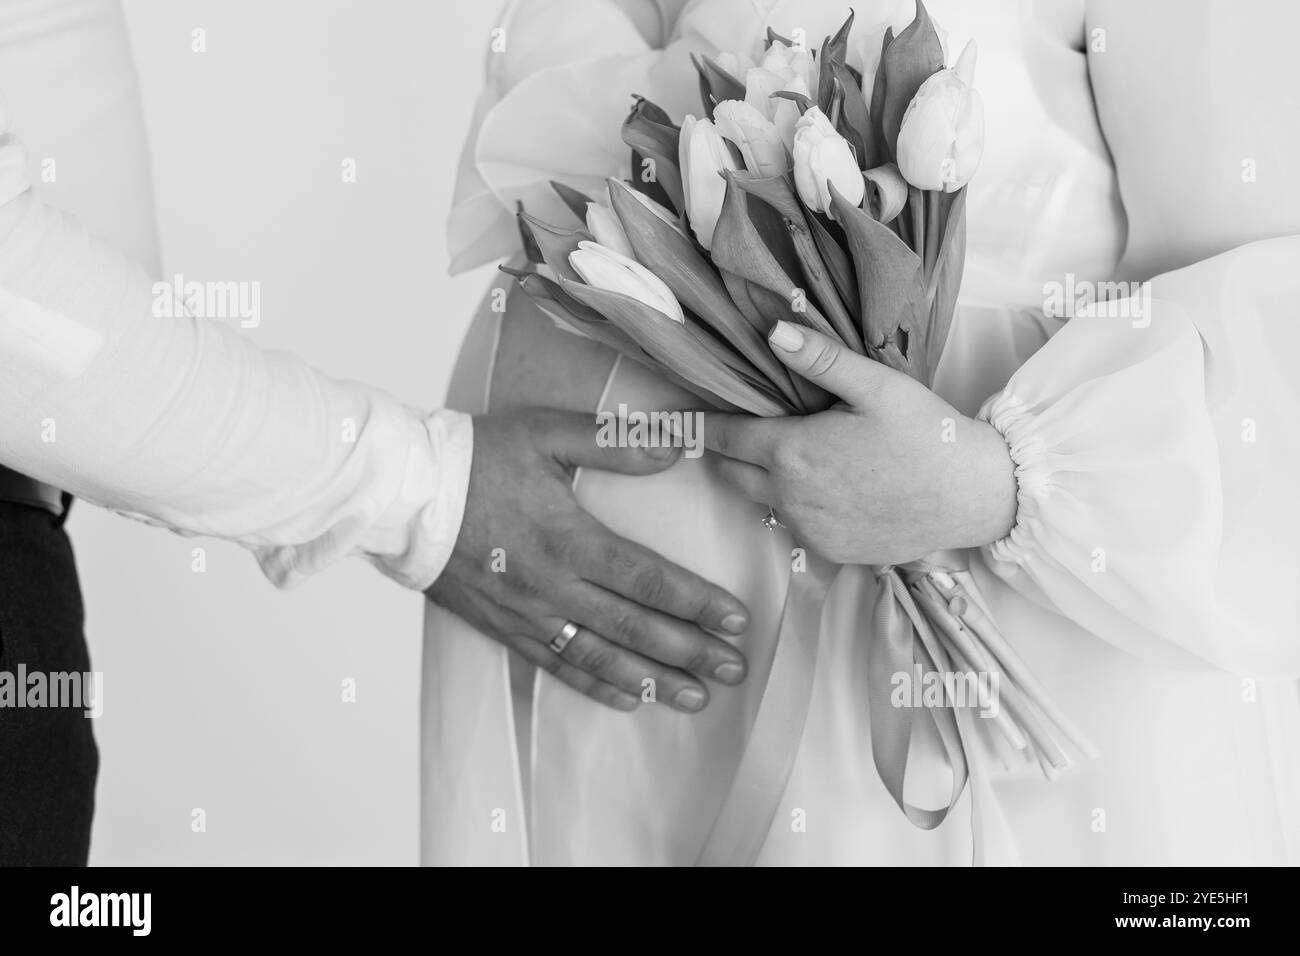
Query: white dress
[1149, 580]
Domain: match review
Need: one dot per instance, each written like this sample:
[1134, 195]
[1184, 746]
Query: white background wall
[220, 692]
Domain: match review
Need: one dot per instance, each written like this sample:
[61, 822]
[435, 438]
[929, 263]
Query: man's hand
[640, 616]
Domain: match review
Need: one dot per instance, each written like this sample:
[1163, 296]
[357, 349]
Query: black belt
[20, 490]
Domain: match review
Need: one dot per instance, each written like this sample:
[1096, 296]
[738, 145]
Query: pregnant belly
[608, 787]
[688, 515]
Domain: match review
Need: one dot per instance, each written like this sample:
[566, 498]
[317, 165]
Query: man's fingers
[750, 480]
[661, 638]
[630, 672]
[648, 579]
[578, 440]
[826, 362]
[741, 436]
[540, 655]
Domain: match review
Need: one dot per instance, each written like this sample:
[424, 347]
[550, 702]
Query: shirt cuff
[415, 537]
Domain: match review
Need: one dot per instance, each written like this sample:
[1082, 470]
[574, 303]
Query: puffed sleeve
[184, 422]
[556, 89]
[1157, 452]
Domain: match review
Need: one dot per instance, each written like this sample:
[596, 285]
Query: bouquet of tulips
[798, 197]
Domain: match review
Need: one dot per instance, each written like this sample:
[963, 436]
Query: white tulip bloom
[603, 268]
[822, 156]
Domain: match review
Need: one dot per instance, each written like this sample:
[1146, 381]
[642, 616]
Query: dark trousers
[48, 758]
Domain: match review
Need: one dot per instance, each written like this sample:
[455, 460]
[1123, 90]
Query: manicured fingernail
[786, 337]
[734, 624]
[729, 673]
[689, 698]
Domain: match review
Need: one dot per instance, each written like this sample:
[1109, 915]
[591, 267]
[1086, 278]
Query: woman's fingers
[828, 363]
[629, 672]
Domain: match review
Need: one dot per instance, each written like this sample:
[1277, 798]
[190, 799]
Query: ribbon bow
[929, 614]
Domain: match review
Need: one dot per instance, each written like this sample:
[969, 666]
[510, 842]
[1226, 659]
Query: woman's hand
[891, 474]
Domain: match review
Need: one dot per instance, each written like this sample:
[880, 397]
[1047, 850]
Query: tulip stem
[916, 204]
[933, 233]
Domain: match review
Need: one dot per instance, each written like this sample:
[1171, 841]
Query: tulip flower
[619, 189]
[703, 158]
[897, 17]
[755, 135]
[760, 85]
[822, 157]
[607, 230]
[603, 268]
[736, 64]
[791, 65]
[889, 192]
[783, 70]
[941, 138]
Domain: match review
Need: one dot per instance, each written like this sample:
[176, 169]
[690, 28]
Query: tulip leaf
[946, 281]
[677, 348]
[819, 279]
[912, 58]
[752, 242]
[652, 112]
[653, 139]
[733, 359]
[567, 311]
[804, 103]
[833, 52]
[539, 287]
[774, 37]
[840, 42]
[554, 244]
[777, 193]
[757, 302]
[531, 250]
[716, 84]
[891, 287]
[687, 272]
[877, 109]
[854, 122]
[576, 201]
[838, 263]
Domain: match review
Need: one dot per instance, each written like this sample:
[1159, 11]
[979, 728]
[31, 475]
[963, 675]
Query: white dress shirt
[186, 423]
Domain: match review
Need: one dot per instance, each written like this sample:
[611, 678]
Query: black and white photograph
[650, 433]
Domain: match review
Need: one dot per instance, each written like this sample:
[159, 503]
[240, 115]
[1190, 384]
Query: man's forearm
[185, 422]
